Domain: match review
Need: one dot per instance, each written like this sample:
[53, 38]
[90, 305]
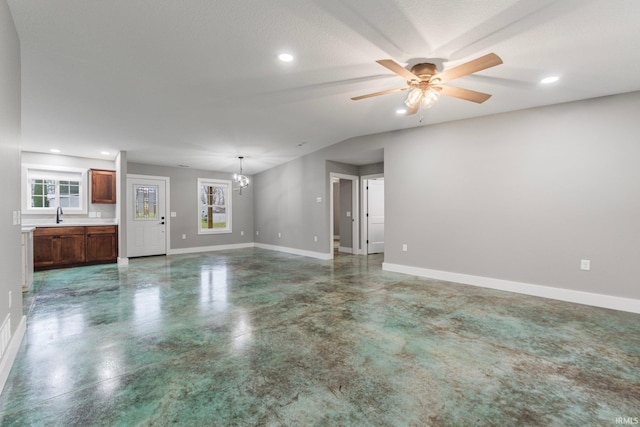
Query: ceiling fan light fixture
[414, 97]
[430, 97]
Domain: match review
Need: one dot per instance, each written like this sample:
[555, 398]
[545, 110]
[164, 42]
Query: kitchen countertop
[69, 223]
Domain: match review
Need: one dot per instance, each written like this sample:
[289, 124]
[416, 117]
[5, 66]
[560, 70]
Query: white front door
[146, 216]
[375, 216]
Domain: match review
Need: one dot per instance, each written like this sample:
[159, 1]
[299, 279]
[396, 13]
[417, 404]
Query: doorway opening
[344, 218]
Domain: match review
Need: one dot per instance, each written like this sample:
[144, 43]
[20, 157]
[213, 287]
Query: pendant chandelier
[242, 180]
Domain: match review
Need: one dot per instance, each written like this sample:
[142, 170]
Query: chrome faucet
[58, 213]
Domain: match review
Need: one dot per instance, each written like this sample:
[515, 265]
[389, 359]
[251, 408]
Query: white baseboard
[579, 297]
[311, 254]
[12, 352]
[345, 250]
[210, 248]
[123, 261]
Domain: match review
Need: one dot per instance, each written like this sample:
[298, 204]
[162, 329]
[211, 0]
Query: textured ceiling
[198, 82]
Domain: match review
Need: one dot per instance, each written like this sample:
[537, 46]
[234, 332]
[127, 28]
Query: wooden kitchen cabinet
[55, 247]
[103, 186]
[102, 244]
[58, 246]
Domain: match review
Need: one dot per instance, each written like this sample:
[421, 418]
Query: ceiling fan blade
[466, 94]
[412, 110]
[478, 64]
[392, 65]
[383, 92]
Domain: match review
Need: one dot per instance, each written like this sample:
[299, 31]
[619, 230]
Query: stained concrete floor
[255, 337]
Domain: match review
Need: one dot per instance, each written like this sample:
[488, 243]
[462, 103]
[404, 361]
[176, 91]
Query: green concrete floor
[255, 337]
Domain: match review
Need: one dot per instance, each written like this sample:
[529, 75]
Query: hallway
[256, 337]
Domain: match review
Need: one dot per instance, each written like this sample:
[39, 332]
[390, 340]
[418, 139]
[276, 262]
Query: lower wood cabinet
[102, 244]
[55, 247]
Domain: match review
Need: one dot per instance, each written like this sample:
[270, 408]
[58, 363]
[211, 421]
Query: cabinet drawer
[58, 231]
[101, 229]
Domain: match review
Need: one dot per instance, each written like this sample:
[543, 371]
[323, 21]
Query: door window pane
[145, 202]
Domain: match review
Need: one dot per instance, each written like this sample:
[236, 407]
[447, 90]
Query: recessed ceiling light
[54, 150]
[285, 57]
[105, 153]
[401, 111]
[550, 79]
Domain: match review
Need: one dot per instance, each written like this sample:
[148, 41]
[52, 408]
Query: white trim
[311, 254]
[123, 261]
[210, 248]
[579, 297]
[345, 250]
[12, 352]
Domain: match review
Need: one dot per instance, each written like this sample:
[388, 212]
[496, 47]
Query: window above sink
[45, 188]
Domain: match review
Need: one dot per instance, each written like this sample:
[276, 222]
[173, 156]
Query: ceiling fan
[426, 83]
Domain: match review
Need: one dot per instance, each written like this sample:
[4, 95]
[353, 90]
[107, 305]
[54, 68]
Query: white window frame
[29, 171]
[228, 205]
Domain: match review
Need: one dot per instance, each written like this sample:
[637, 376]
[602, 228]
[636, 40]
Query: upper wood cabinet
[103, 186]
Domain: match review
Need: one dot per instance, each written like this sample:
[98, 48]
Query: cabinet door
[45, 250]
[103, 186]
[101, 246]
[72, 249]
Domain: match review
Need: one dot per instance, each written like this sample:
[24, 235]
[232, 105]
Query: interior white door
[146, 217]
[375, 216]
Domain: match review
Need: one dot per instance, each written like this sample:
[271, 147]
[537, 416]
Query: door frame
[355, 210]
[167, 213]
[363, 236]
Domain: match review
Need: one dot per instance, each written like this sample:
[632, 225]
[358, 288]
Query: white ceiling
[198, 82]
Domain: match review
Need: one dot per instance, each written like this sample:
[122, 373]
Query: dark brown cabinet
[103, 186]
[58, 246]
[55, 247]
[102, 244]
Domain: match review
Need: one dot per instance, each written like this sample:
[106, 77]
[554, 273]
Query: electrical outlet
[184, 236]
[174, 214]
[242, 233]
[315, 238]
[318, 199]
[585, 264]
[404, 247]
[99, 214]
[257, 233]
[279, 235]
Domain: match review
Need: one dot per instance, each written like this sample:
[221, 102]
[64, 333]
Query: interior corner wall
[10, 133]
[184, 202]
[522, 196]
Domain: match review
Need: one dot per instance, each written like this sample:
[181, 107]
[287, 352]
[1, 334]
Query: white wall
[10, 255]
